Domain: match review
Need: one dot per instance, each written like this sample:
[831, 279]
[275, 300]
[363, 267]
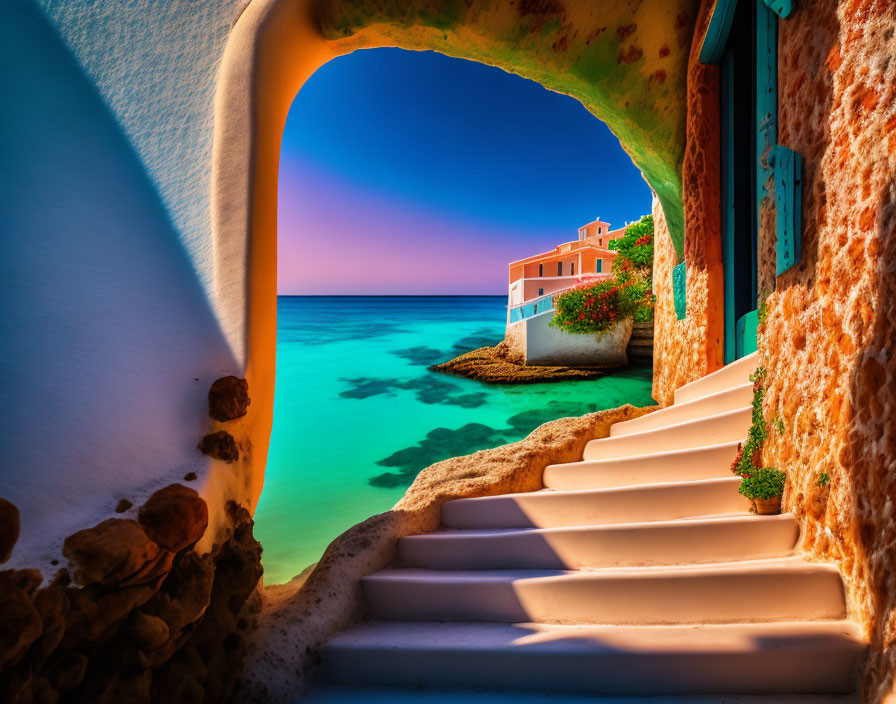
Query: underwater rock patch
[419, 355]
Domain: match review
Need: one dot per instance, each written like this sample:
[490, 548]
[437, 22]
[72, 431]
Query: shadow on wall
[109, 342]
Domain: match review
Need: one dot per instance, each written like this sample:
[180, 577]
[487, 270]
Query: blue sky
[402, 157]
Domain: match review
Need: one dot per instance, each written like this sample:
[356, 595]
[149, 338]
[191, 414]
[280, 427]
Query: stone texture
[149, 625]
[20, 623]
[123, 505]
[297, 617]
[228, 398]
[9, 529]
[174, 517]
[110, 552]
[827, 342]
[221, 446]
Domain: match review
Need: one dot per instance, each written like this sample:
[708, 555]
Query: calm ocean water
[357, 415]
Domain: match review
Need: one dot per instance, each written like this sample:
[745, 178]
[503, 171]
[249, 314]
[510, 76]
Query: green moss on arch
[624, 60]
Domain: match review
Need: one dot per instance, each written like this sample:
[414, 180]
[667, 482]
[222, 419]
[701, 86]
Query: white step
[721, 428]
[753, 658]
[720, 402]
[718, 539]
[340, 694]
[733, 374]
[627, 504]
[761, 590]
[709, 462]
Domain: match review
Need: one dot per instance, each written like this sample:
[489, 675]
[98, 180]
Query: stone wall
[828, 343]
[828, 339]
[687, 349]
[139, 616]
[137, 611]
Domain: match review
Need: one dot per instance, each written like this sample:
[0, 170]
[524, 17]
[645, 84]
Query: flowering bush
[596, 308]
[635, 248]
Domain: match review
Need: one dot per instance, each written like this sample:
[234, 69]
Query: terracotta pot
[768, 507]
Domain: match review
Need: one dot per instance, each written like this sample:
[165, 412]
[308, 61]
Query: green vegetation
[749, 454]
[635, 247]
[823, 479]
[596, 308]
[763, 483]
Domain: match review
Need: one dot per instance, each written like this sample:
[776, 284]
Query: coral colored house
[586, 259]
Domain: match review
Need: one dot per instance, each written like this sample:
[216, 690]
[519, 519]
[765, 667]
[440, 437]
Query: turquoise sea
[357, 414]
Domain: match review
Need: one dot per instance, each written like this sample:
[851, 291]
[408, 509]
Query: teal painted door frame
[740, 329]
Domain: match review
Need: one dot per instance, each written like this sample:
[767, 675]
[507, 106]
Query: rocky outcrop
[228, 398]
[297, 617]
[499, 365]
[142, 618]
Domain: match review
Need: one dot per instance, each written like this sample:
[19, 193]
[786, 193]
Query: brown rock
[52, 606]
[174, 517]
[20, 623]
[221, 446]
[185, 593]
[148, 632]
[66, 671]
[110, 552]
[9, 529]
[190, 477]
[228, 398]
[42, 692]
[123, 506]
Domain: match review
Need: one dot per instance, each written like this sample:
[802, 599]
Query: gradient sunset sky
[414, 173]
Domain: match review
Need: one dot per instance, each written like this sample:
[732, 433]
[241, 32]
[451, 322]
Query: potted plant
[764, 486]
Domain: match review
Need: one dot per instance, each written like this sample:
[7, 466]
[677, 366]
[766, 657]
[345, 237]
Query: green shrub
[596, 308]
[823, 479]
[749, 453]
[634, 250]
[763, 483]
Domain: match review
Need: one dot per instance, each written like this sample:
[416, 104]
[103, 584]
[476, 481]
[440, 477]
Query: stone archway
[625, 61]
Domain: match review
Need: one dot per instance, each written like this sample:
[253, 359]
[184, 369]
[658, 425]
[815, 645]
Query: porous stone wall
[829, 338]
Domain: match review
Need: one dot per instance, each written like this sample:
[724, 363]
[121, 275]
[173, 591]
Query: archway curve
[625, 61]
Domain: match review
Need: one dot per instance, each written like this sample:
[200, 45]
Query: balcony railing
[531, 308]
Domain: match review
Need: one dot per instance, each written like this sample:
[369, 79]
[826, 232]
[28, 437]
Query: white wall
[109, 343]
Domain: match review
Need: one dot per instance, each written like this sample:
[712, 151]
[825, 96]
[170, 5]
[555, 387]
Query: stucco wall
[109, 342]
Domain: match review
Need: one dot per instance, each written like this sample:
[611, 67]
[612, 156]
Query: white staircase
[637, 571]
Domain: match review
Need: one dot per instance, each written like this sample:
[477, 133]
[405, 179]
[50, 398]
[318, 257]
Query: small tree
[634, 250]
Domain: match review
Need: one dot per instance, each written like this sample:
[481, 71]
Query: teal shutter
[717, 33]
[782, 8]
[788, 202]
[679, 290]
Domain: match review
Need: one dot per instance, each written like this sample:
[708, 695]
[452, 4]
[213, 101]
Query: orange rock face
[828, 342]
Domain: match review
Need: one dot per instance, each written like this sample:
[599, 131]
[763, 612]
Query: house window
[572, 268]
[598, 230]
[598, 265]
[541, 269]
[541, 292]
[559, 268]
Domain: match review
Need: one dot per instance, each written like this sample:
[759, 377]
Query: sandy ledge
[497, 365]
[297, 617]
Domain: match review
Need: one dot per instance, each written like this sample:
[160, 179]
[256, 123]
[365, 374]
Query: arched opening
[408, 181]
[626, 65]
